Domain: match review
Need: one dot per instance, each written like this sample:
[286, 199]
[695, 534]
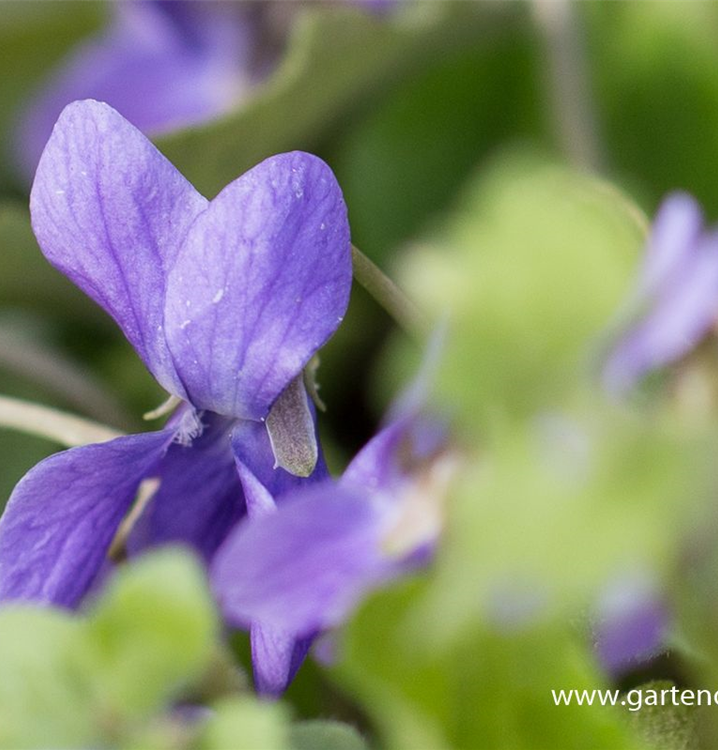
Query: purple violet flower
[224, 300]
[677, 296]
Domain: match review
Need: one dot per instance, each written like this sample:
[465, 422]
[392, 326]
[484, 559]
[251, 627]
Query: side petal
[261, 282]
[199, 498]
[300, 570]
[110, 212]
[62, 516]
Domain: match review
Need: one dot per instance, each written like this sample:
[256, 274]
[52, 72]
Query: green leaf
[246, 724]
[489, 690]
[151, 634]
[325, 735]
[45, 696]
[653, 68]
[554, 508]
[336, 58]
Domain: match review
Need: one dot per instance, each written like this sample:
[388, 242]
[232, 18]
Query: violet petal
[110, 211]
[261, 283]
[63, 514]
[679, 320]
[276, 657]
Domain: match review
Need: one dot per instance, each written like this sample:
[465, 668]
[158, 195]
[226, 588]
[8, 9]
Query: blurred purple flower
[677, 296]
[631, 624]
[292, 570]
[224, 300]
[164, 64]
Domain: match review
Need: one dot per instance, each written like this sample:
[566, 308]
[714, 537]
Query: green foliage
[33, 38]
[74, 682]
[152, 634]
[325, 735]
[45, 696]
[530, 270]
[666, 727]
[490, 689]
[246, 724]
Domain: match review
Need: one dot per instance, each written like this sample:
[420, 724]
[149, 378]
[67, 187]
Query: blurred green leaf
[336, 58]
[491, 689]
[653, 66]
[553, 509]
[402, 161]
[530, 270]
[325, 735]
[28, 280]
[151, 634]
[246, 724]
[45, 700]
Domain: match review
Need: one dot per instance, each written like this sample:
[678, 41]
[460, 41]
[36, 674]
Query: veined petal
[63, 514]
[110, 212]
[199, 499]
[261, 282]
[301, 569]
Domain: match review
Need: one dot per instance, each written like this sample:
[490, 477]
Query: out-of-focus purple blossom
[164, 64]
[225, 301]
[676, 296]
[296, 568]
[631, 624]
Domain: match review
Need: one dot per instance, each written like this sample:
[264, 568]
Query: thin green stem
[387, 293]
[52, 424]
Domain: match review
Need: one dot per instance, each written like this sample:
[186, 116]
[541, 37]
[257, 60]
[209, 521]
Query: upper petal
[261, 283]
[62, 516]
[110, 212]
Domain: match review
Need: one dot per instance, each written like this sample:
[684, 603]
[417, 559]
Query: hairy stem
[52, 424]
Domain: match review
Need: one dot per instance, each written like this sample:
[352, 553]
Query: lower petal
[62, 516]
[276, 658]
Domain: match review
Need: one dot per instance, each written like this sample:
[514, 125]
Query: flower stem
[52, 424]
[387, 293]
